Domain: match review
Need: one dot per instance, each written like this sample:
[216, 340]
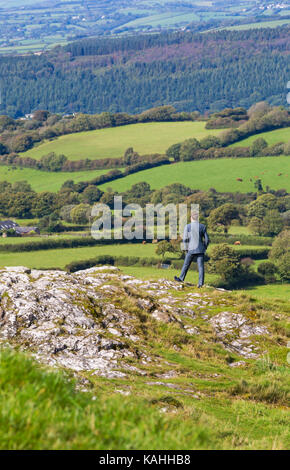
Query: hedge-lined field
[60, 257]
[271, 137]
[220, 174]
[145, 138]
[45, 180]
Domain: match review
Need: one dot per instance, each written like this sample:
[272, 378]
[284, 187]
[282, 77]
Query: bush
[112, 261]
[268, 270]
[254, 253]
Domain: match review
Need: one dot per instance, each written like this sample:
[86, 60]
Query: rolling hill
[154, 137]
[220, 174]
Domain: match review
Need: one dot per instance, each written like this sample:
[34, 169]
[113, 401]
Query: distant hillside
[204, 72]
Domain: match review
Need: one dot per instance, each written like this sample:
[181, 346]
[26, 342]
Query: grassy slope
[272, 137]
[44, 180]
[154, 137]
[214, 406]
[220, 174]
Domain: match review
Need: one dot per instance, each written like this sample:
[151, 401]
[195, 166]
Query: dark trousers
[200, 264]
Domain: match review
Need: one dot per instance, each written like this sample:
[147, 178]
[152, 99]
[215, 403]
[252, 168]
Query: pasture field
[59, 258]
[271, 137]
[163, 20]
[145, 138]
[36, 238]
[44, 180]
[263, 24]
[220, 174]
[238, 230]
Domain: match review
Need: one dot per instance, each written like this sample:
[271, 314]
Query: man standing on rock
[196, 241]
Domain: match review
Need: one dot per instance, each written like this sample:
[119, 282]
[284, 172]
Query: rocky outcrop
[94, 319]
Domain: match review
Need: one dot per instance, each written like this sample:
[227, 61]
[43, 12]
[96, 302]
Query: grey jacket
[195, 238]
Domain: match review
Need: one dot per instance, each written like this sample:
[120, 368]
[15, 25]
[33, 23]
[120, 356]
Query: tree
[6, 122]
[258, 110]
[164, 247]
[20, 205]
[209, 142]
[258, 146]
[80, 214]
[283, 266]
[225, 262]
[280, 246]
[52, 162]
[51, 224]
[272, 224]
[130, 156]
[174, 152]
[139, 193]
[188, 148]
[65, 212]
[108, 198]
[261, 205]
[44, 204]
[255, 226]
[21, 143]
[223, 215]
[91, 194]
[40, 115]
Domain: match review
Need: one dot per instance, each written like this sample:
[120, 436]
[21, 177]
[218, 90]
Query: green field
[273, 291]
[59, 258]
[163, 20]
[263, 24]
[44, 180]
[271, 137]
[153, 137]
[220, 174]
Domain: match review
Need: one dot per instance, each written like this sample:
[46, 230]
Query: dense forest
[203, 72]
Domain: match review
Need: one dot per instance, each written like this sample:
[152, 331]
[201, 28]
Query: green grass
[220, 174]
[268, 291]
[44, 180]
[59, 258]
[271, 137]
[272, 291]
[238, 230]
[157, 273]
[42, 410]
[154, 137]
